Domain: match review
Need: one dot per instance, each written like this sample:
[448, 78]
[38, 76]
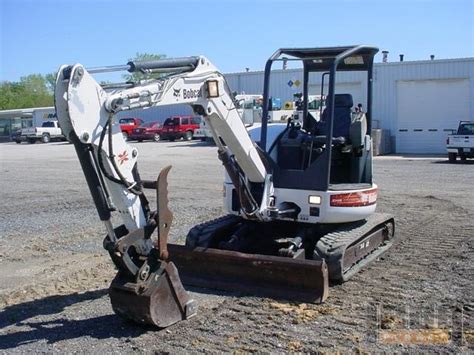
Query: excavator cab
[333, 152]
[322, 197]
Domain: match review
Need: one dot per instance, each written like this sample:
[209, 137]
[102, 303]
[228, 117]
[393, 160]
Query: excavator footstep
[160, 301]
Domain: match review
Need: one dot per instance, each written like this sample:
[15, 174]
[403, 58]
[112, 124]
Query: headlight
[314, 200]
[212, 88]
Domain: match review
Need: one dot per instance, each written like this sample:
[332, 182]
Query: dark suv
[180, 127]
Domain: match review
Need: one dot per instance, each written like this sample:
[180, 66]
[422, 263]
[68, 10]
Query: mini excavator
[300, 197]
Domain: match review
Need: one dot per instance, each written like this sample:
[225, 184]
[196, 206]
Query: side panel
[327, 213]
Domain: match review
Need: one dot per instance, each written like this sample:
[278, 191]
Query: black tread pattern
[202, 234]
[332, 246]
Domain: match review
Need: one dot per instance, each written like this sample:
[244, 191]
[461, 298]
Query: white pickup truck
[462, 142]
[48, 131]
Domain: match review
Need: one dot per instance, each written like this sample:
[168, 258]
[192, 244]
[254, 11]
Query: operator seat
[342, 116]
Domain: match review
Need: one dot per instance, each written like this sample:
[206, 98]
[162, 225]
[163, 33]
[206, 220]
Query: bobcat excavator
[300, 195]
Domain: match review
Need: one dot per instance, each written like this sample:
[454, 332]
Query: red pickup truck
[127, 125]
[180, 127]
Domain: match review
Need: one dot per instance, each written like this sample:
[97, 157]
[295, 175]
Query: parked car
[127, 125]
[462, 142]
[48, 131]
[180, 127]
[147, 131]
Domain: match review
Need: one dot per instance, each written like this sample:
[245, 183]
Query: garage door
[427, 111]
[355, 89]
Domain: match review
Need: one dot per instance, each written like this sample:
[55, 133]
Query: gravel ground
[54, 273]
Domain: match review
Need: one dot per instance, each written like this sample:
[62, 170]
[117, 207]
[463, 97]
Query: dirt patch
[61, 279]
[302, 313]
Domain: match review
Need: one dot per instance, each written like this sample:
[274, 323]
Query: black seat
[342, 116]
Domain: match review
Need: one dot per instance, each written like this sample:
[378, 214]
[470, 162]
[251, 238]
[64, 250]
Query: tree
[37, 90]
[51, 81]
[35, 84]
[30, 91]
[141, 57]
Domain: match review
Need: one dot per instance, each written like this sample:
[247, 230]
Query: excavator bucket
[152, 293]
[265, 275]
[162, 302]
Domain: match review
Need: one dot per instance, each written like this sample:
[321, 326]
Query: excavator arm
[86, 110]
[147, 287]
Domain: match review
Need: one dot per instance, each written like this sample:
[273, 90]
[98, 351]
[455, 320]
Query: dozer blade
[162, 301]
[270, 276]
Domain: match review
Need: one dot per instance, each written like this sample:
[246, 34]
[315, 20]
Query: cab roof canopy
[359, 57]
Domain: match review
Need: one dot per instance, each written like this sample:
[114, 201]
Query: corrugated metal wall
[282, 83]
[386, 76]
[389, 74]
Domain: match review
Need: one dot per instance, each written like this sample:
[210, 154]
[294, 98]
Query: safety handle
[169, 63]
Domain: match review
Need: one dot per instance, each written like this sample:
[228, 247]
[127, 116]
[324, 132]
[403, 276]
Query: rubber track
[201, 234]
[331, 247]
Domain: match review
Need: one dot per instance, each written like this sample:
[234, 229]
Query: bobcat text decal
[191, 93]
[187, 93]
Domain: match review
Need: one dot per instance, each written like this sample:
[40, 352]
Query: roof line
[22, 111]
[379, 64]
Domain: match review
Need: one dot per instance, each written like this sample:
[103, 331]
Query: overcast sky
[37, 36]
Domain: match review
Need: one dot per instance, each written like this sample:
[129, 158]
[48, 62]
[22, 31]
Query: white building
[417, 102]
[14, 120]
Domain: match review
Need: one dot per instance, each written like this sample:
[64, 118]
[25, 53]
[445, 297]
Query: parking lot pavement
[54, 272]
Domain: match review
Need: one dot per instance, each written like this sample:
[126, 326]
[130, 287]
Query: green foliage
[142, 57]
[37, 90]
[31, 91]
[50, 82]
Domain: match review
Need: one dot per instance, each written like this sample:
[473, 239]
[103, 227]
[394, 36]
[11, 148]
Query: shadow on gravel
[60, 328]
[191, 144]
[458, 162]
[62, 143]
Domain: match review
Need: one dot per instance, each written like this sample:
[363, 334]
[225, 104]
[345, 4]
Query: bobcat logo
[123, 157]
[176, 92]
